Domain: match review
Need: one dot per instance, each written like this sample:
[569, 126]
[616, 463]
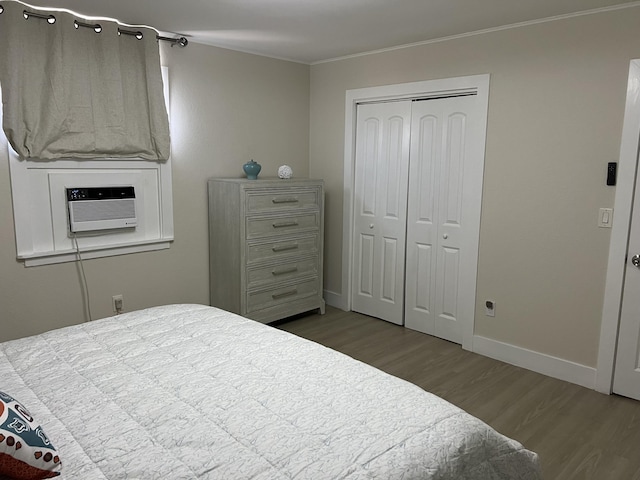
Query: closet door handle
[285, 224]
[284, 271]
[288, 293]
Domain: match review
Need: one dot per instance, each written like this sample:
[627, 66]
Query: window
[40, 207]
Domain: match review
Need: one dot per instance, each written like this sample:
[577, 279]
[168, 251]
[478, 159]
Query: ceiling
[310, 31]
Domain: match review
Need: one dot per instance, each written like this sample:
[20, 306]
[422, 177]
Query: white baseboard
[536, 361]
[521, 357]
[334, 299]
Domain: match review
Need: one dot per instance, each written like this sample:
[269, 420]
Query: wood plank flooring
[578, 433]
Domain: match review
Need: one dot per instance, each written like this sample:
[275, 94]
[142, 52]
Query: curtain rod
[180, 41]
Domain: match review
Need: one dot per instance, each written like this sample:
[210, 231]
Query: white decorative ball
[284, 171]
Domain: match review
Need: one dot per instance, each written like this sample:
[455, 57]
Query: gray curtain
[69, 92]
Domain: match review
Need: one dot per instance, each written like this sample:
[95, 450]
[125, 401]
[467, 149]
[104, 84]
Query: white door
[626, 380]
[418, 191]
[443, 224]
[380, 209]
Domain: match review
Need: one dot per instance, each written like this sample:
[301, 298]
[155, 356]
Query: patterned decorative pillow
[25, 451]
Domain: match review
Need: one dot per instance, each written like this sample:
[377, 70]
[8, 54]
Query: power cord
[85, 285]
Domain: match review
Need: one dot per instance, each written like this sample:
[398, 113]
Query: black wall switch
[612, 169]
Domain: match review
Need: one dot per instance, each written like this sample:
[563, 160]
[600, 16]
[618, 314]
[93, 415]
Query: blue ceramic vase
[252, 169]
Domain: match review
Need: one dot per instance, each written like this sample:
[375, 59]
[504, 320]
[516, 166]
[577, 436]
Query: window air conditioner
[101, 208]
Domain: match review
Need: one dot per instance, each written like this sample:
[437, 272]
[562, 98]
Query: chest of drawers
[266, 246]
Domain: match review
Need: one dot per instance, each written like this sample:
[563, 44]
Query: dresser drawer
[282, 199]
[280, 272]
[267, 226]
[265, 298]
[257, 252]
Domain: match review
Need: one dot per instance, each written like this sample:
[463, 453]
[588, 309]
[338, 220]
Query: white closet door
[380, 202]
[626, 379]
[445, 192]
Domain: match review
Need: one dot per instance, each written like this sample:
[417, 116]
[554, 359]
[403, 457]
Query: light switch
[605, 217]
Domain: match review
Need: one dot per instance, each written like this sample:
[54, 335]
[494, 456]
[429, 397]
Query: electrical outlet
[117, 302]
[490, 308]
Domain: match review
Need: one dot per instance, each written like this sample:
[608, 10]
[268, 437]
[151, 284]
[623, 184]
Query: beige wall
[555, 116]
[226, 107]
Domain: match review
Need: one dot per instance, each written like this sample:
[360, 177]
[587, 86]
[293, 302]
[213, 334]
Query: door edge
[618, 245]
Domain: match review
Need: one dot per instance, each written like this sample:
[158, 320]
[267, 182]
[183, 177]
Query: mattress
[194, 392]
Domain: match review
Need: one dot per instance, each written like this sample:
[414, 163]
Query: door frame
[473, 84]
[619, 242]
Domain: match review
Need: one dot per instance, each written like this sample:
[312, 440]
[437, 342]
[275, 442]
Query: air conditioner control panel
[100, 193]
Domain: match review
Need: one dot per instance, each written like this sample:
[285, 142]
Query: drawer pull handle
[288, 293]
[284, 271]
[285, 224]
[284, 248]
[285, 200]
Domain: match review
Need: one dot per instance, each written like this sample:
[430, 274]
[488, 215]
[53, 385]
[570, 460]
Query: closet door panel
[447, 294]
[421, 282]
[422, 211]
[389, 269]
[438, 212]
[453, 170]
[367, 176]
[451, 231]
[380, 203]
[365, 262]
[393, 170]
[424, 168]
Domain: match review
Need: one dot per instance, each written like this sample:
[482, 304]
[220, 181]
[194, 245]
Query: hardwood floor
[578, 433]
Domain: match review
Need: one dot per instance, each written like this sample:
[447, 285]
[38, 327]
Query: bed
[194, 392]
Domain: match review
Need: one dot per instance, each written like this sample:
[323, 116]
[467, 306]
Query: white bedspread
[188, 391]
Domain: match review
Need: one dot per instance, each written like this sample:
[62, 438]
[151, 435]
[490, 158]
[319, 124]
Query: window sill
[49, 258]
